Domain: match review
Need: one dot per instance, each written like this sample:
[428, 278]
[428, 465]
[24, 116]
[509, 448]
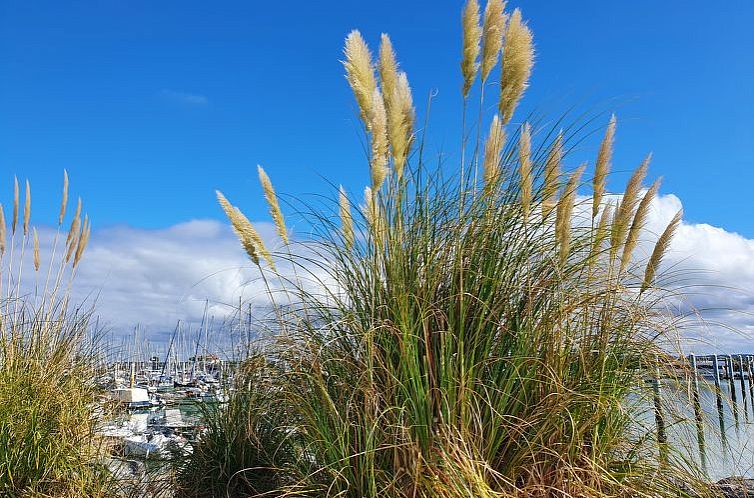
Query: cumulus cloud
[185, 98]
[156, 277]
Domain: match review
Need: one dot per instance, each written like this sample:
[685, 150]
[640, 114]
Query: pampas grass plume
[36, 249]
[661, 247]
[518, 59]
[64, 198]
[27, 208]
[552, 175]
[14, 221]
[246, 233]
[472, 37]
[492, 149]
[625, 211]
[346, 220]
[640, 219]
[379, 141]
[524, 160]
[272, 201]
[602, 166]
[565, 212]
[360, 73]
[492, 35]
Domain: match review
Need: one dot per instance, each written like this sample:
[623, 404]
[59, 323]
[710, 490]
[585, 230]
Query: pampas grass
[492, 150]
[518, 59]
[472, 38]
[346, 219]
[659, 251]
[245, 232]
[457, 346]
[272, 202]
[360, 73]
[602, 167]
[493, 31]
[47, 363]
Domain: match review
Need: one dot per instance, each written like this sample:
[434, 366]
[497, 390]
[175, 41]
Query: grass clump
[484, 333]
[46, 362]
[244, 443]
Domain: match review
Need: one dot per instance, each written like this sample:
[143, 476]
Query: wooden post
[662, 438]
[743, 386]
[751, 381]
[698, 411]
[732, 384]
[719, 397]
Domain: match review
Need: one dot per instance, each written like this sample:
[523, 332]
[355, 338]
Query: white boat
[132, 397]
[157, 445]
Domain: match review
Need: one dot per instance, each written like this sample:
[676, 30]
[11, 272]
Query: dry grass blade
[552, 175]
[272, 202]
[493, 32]
[346, 219]
[492, 149]
[518, 59]
[524, 162]
[661, 247]
[2, 231]
[472, 37]
[602, 166]
[640, 219]
[360, 73]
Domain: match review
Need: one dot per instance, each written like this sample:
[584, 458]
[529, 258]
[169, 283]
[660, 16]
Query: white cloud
[156, 277]
[185, 98]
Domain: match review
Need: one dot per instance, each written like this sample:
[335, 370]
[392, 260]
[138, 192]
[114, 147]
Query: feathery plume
[472, 36]
[372, 213]
[27, 208]
[565, 212]
[640, 219]
[400, 122]
[492, 149]
[14, 222]
[661, 247]
[272, 201]
[601, 233]
[518, 59]
[73, 230]
[64, 199]
[493, 31]
[552, 175]
[360, 73]
[524, 159]
[625, 210]
[346, 220]
[83, 240]
[379, 141]
[602, 166]
[388, 68]
[36, 249]
[2, 231]
[245, 231]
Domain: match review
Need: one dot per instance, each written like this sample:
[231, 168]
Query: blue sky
[153, 105]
